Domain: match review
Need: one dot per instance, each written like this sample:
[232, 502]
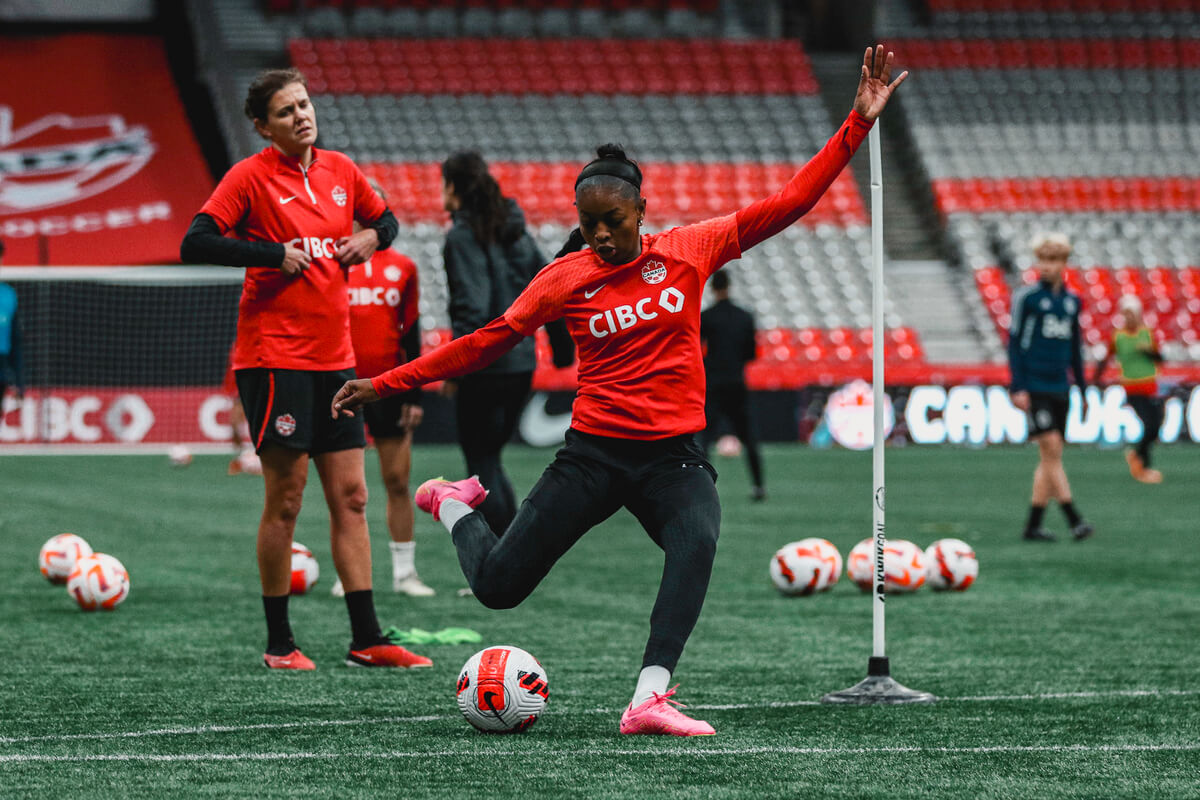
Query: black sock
[279, 630]
[1144, 454]
[1073, 517]
[364, 625]
[1035, 517]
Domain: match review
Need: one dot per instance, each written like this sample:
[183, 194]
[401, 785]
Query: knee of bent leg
[495, 597]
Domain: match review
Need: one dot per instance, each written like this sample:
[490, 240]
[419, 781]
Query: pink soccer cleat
[657, 717]
[431, 493]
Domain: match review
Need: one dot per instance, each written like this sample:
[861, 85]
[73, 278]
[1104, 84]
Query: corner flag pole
[878, 687]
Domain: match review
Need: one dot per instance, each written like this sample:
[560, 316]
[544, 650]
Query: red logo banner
[98, 164]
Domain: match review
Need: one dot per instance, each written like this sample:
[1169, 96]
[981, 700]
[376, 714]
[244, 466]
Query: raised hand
[874, 89]
[352, 395]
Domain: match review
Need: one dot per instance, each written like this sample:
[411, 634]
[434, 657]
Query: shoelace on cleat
[666, 697]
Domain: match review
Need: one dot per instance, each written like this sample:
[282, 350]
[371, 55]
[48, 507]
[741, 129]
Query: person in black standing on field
[728, 334]
[490, 258]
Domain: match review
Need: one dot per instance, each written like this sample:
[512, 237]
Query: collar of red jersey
[286, 163]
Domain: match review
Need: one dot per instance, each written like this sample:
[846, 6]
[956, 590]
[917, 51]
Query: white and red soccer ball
[59, 554]
[903, 565]
[305, 569]
[98, 582]
[805, 567]
[950, 564]
[502, 689]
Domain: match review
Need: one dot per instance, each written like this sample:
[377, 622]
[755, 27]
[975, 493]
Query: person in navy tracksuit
[1044, 342]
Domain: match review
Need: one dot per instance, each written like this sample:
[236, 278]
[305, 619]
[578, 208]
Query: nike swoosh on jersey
[589, 295]
[283, 201]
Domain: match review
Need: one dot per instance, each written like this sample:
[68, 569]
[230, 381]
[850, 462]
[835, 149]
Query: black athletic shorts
[290, 408]
[1048, 412]
[383, 417]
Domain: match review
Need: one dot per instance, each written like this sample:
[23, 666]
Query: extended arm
[460, 357]
[762, 220]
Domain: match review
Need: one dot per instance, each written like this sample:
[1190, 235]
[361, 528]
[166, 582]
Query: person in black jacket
[490, 258]
[728, 335]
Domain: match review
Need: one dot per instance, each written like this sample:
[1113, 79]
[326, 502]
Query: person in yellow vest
[1138, 357]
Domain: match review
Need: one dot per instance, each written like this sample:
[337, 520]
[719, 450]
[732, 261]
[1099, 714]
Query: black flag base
[878, 688]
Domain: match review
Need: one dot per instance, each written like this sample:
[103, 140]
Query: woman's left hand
[357, 248]
[874, 90]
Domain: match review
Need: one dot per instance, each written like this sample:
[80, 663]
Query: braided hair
[484, 206]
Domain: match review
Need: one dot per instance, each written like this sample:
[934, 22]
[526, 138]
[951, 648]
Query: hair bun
[611, 150]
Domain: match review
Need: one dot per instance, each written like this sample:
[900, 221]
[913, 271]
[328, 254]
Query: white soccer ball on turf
[903, 566]
[305, 569]
[179, 455]
[98, 581]
[502, 689]
[950, 564]
[805, 567]
[59, 554]
[830, 555]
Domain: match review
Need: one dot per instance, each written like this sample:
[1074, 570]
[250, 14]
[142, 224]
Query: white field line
[670, 752]
[278, 726]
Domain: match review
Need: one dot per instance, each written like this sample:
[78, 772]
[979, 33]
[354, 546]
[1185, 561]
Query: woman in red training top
[632, 305]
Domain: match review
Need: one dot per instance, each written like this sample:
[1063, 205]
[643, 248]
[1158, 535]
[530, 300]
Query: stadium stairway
[910, 229]
[933, 296]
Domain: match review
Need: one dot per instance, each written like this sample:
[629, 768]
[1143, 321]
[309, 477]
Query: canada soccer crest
[59, 159]
[339, 195]
[654, 272]
[285, 424]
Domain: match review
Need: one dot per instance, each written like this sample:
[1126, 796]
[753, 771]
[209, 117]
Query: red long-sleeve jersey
[636, 326]
[384, 297]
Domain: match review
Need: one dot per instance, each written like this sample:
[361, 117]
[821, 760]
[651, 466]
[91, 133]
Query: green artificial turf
[1068, 670]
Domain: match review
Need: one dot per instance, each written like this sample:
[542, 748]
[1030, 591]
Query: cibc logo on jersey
[623, 317]
[374, 296]
[315, 246]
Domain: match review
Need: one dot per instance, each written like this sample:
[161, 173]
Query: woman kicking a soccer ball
[632, 304]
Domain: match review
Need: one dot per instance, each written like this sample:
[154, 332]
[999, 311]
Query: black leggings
[667, 485]
[488, 410]
[1150, 411]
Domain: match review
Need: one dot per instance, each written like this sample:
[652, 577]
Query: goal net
[122, 359]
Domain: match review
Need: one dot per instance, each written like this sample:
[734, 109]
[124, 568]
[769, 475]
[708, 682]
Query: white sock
[403, 558]
[651, 680]
[451, 511]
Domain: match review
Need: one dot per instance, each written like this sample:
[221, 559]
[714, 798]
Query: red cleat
[431, 493]
[386, 655]
[293, 660]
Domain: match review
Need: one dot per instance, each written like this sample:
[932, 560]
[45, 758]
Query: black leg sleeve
[571, 497]
[680, 510]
